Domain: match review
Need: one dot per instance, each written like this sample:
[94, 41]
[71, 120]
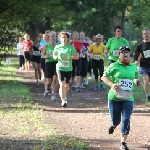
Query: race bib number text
[97, 57]
[126, 84]
[146, 53]
[115, 52]
[82, 55]
[36, 53]
[64, 63]
[51, 53]
[26, 48]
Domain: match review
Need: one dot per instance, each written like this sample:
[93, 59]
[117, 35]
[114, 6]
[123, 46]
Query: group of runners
[79, 61]
[67, 61]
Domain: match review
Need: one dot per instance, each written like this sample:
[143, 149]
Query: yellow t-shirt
[97, 50]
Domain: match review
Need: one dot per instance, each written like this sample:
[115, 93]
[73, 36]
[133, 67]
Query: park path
[87, 118]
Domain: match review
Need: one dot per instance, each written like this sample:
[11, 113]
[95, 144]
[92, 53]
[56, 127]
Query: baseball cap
[122, 48]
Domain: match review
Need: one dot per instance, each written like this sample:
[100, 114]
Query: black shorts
[43, 64]
[27, 57]
[64, 76]
[50, 69]
[36, 59]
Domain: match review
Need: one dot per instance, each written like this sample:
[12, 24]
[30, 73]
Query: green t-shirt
[113, 46]
[49, 51]
[64, 64]
[123, 75]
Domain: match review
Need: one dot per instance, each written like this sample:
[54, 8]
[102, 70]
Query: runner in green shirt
[120, 77]
[64, 63]
[113, 44]
[64, 53]
[50, 66]
[49, 53]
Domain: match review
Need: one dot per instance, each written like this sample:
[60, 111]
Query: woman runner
[64, 53]
[50, 66]
[36, 59]
[120, 77]
[26, 47]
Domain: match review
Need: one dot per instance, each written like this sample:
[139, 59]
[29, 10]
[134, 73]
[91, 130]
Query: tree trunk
[123, 18]
[47, 23]
[31, 30]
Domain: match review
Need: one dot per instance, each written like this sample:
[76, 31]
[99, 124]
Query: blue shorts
[144, 71]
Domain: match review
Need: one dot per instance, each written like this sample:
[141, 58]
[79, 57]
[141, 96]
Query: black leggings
[98, 65]
[90, 67]
[84, 64]
[21, 60]
[77, 68]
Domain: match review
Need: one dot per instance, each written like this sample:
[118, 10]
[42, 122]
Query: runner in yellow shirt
[97, 49]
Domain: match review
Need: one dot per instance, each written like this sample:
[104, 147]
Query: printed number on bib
[64, 63]
[97, 57]
[51, 53]
[115, 52]
[82, 55]
[36, 53]
[78, 54]
[26, 48]
[126, 84]
[146, 53]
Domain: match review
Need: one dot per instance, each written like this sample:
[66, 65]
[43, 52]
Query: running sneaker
[73, 88]
[20, 69]
[53, 97]
[64, 104]
[37, 83]
[102, 86]
[111, 130]
[82, 86]
[96, 88]
[78, 89]
[123, 146]
[46, 92]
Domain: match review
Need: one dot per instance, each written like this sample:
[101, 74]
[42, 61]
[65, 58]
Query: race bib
[36, 53]
[64, 63]
[123, 95]
[97, 57]
[26, 48]
[126, 84]
[51, 53]
[115, 52]
[82, 55]
[78, 54]
[146, 53]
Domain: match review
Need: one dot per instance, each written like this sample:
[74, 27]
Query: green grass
[23, 122]
[11, 88]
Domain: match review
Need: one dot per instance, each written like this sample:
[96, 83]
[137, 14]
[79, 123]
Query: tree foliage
[92, 17]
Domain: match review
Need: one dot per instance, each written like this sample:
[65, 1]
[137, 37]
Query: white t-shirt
[19, 50]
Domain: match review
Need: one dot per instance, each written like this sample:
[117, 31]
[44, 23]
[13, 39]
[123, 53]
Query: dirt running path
[87, 117]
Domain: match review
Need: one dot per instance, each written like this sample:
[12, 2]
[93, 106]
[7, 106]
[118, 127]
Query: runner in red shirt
[26, 47]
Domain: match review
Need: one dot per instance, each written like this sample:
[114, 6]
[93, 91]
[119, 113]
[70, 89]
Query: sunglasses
[122, 48]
